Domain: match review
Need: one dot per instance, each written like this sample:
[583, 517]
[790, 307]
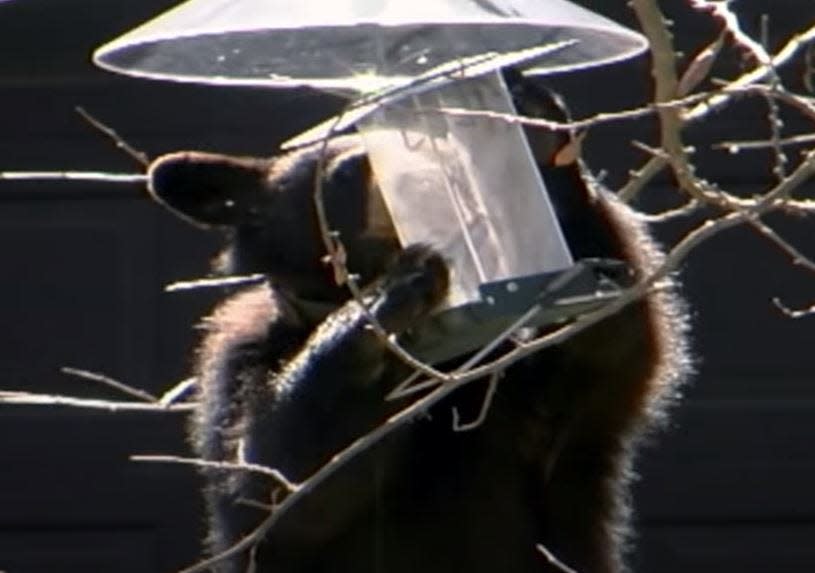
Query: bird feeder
[467, 185]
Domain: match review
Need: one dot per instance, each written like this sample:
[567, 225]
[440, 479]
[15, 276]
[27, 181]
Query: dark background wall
[727, 488]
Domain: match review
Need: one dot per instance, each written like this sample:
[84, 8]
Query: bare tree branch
[95, 176]
[13, 397]
[214, 282]
[108, 381]
[178, 391]
[550, 557]
[139, 156]
[737, 146]
[666, 88]
[791, 313]
[241, 467]
[492, 387]
[796, 256]
[790, 49]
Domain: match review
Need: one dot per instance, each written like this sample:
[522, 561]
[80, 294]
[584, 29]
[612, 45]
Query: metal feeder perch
[489, 213]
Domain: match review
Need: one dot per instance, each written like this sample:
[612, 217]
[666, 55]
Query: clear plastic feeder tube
[466, 185]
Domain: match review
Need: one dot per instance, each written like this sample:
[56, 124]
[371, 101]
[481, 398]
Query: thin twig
[409, 386]
[760, 72]
[794, 313]
[640, 178]
[773, 109]
[178, 391]
[737, 146]
[550, 557]
[492, 386]
[689, 208]
[31, 399]
[803, 104]
[227, 466]
[575, 124]
[180, 286]
[139, 156]
[798, 258]
[95, 176]
[267, 507]
[666, 80]
[108, 381]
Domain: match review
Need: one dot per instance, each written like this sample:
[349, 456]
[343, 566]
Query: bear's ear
[209, 189]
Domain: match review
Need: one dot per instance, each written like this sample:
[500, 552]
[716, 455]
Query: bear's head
[268, 209]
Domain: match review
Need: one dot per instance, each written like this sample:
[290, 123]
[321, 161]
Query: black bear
[290, 373]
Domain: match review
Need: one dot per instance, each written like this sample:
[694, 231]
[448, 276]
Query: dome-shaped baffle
[342, 44]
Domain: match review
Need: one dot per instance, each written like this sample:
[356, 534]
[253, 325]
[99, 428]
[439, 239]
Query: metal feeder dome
[343, 44]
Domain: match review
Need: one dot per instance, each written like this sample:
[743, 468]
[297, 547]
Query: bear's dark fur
[289, 374]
